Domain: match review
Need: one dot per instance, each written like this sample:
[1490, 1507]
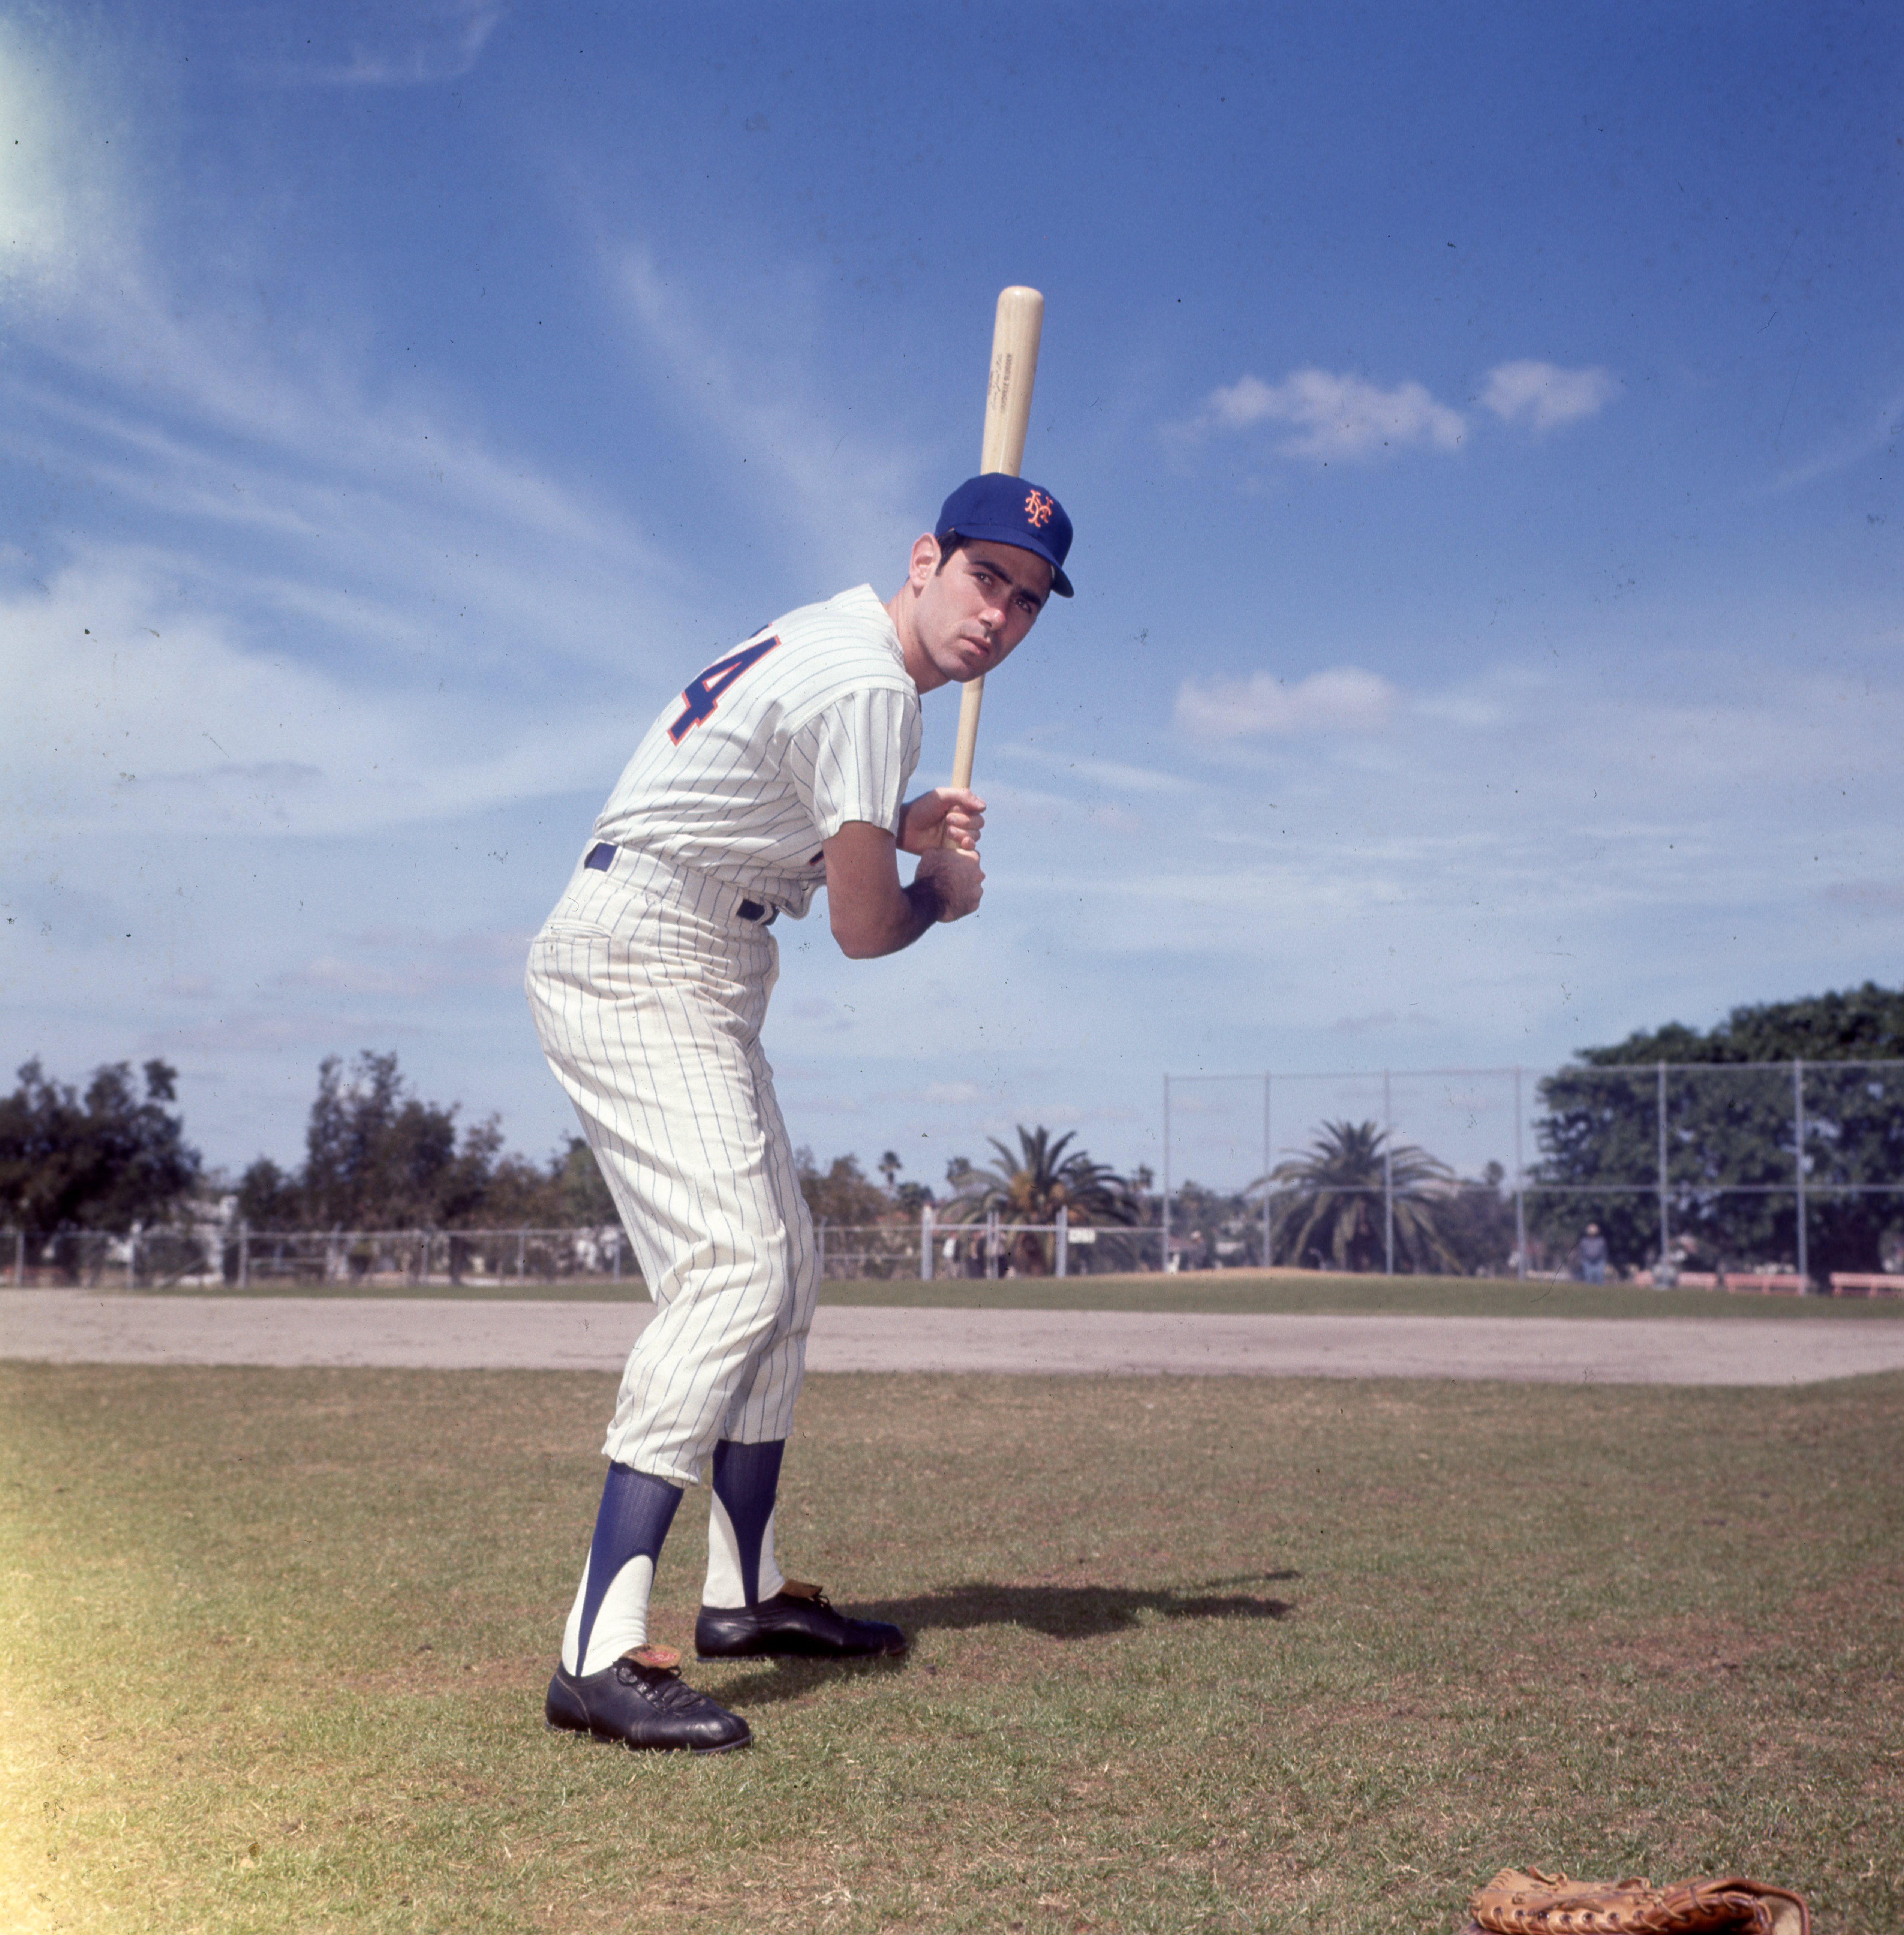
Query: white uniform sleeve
[852, 760]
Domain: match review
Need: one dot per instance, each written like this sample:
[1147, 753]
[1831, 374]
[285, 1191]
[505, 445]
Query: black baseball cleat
[639, 1701]
[797, 1623]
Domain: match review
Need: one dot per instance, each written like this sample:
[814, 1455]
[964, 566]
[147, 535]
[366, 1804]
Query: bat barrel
[1015, 332]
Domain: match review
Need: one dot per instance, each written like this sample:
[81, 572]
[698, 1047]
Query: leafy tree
[376, 1157]
[1476, 1220]
[1335, 1209]
[1142, 1180]
[910, 1197]
[1730, 1128]
[518, 1192]
[1212, 1227]
[268, 1199]
[584, 1195]
[844, 1192]
[1034, 1185]
[105, 1162]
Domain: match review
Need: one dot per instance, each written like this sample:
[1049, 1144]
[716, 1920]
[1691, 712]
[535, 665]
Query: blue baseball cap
[1010, 511]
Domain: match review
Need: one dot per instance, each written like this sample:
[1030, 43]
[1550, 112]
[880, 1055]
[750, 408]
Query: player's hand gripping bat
[1007, 410]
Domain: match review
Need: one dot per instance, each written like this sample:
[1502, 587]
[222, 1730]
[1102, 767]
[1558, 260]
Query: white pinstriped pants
[648, 991]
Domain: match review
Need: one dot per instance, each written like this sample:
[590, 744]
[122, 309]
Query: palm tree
[1338, 1185]
[1032, 1186]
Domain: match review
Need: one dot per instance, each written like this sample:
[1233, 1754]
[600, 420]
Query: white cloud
[335, 557]
[1880, 429]
[1089, 770]
[1886, 896]
[845, 494]
[1545, 395]
[1344, 699]
[60, 164]
[125, 710]
[323, 510]
[405, 46]
[1542, 833]
[1364, 1024]
[1336, 416]
[317, 521]
[421, 961]
[1114, 819]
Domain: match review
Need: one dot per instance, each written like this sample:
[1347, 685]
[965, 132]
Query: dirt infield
[79, 1327]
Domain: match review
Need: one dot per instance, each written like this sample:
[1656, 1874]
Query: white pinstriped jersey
[812, 722]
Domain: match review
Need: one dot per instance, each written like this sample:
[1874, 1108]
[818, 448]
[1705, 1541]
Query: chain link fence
[1774, 1175]
[98, 1259]
[245, 1259]
[939, 1247]
[286, 1259]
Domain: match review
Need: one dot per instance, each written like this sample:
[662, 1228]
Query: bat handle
[971, 697]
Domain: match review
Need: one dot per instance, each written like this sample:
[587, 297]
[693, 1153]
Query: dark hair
[950, 546]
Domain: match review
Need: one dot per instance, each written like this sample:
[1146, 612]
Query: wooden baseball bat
[1008, 409]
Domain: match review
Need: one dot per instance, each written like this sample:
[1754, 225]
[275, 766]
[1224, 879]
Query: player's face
[972, 615]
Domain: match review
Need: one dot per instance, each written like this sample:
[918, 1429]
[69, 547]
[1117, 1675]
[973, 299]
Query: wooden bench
[1867, 1283]
[1698, 1280]
[1772, 1283]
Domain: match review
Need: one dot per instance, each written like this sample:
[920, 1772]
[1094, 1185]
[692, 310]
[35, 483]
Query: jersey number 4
[703, 694]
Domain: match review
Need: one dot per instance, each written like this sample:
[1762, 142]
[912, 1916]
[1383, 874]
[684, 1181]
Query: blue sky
[1481, 424]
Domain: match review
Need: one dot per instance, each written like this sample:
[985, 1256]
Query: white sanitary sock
[622, 1623]
[724, 1586]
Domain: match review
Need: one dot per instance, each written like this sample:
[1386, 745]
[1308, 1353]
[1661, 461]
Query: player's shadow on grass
[1080, 1612]
[1059, 1612]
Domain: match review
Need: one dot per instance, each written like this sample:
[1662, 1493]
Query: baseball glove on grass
[1526, 1902]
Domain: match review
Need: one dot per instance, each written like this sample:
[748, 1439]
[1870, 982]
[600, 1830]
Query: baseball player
[780, 768]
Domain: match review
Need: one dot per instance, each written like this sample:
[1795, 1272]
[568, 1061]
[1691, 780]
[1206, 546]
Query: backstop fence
[1692, 1169]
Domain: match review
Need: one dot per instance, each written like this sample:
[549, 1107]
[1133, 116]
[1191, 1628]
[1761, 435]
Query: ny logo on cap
[1037, 509]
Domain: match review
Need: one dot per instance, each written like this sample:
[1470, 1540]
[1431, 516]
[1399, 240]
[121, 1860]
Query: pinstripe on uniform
[823, 730]
[648, 990]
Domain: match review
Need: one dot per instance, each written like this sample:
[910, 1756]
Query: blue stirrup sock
[611, 1612]
[740, 1566]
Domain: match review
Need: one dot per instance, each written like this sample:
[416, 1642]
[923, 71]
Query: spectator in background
[1593, 1255]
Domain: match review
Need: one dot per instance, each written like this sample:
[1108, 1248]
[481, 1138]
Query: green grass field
[1223, 1654]
[1228, 1293]
[1235, 1292]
